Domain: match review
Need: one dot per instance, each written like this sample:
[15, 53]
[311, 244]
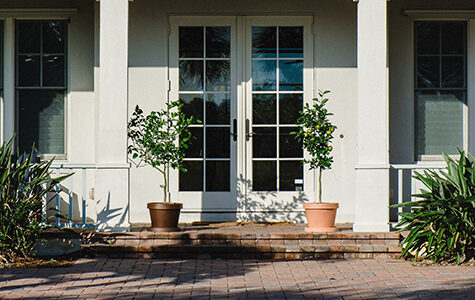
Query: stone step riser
[243, 245]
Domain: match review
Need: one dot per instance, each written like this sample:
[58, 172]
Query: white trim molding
[440, 14]
[38, 12]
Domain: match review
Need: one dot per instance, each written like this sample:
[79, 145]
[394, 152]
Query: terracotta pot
[164, 216]
[320, 217]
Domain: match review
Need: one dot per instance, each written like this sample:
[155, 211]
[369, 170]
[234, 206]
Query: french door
[244, 79]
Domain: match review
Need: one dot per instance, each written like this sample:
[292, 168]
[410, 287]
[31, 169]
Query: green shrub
[160, 139]
[441, 221]
[24, 185]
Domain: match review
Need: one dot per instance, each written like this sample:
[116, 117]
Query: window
[40, 85]
[440, 86]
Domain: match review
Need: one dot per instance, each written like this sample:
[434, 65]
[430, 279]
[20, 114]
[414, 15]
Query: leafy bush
[160, 139]
[316, 133]
[441, 223]
[24, 185]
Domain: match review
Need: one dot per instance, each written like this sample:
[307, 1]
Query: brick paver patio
[239, 279]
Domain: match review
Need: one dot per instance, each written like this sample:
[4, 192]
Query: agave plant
[24, 185]
[441, 221]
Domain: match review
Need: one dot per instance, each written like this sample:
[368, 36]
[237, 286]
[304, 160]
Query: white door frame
[241, 109]
[202, 202]
[276, 205]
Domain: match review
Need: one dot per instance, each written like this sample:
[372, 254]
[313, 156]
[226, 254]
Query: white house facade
[400, 74]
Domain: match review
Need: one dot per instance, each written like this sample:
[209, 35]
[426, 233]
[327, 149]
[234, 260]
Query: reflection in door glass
[277, 75]
[263, 109]
[205, 91]
[218, 109]
[264, 42]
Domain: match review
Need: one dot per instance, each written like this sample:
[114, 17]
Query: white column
[112, 177]
[8, 107]
[372, 170]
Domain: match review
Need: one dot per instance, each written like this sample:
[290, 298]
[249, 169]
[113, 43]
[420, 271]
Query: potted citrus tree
[160, 140]
[315, 132]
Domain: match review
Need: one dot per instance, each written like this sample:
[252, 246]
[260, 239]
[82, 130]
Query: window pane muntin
[452, 83]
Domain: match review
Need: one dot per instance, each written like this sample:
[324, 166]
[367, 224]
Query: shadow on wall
[262, 207]
[106, 214]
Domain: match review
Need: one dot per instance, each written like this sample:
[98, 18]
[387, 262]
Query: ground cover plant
[441, 222]
[24, 186]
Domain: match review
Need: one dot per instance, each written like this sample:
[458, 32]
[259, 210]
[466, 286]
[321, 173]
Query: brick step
[272, 245]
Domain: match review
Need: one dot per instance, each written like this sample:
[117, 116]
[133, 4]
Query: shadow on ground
[145, 279]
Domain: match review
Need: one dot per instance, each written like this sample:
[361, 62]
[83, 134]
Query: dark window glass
[217, 176]
[264, 76]
[428, 71]
[192, 106]
[427, 38]
[29, 70]
[218, 75]
[453, 69]
[29, 37]
[41, 121]
[192, 180]
[218, 108]
[217, 142]
[289, 147]
[263, 109]
[288, 172]
[218, 42]
[291, 42]
[54, 37]
[264, 42]
[191, 75]
[289, 107]
[264, 177]
[453, 38]
[53, 70]
[195, 149]
[291, 75]
[191, 42]
[264, 142]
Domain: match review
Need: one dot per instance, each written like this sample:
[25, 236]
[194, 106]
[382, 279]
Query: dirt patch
[33, 262]
[423, 263]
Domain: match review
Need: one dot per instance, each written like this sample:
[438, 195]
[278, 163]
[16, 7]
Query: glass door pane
[205, 91]
[277, 97]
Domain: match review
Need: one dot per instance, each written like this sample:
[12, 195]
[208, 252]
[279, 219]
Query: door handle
[249, 134]
[234, 133]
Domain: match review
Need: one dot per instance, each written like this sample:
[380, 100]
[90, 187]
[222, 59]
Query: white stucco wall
[80, 101]
[335, 70]
[401, 81]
